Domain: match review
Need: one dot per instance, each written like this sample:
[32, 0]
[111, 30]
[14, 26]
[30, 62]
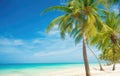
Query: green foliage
[54, 22]
[106, 37]
[110, 54]
[57, 8]
[82, 16]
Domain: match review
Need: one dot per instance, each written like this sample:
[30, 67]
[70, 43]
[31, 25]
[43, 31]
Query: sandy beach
[70, 71]
[94, 71]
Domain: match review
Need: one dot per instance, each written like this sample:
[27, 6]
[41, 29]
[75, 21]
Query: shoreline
[64, 71]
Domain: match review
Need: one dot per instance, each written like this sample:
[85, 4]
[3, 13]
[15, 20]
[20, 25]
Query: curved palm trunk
[101, 68]
[115, 40]
[87, 69]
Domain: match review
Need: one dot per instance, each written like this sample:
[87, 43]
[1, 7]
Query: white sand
[74, 71]
[79, 71]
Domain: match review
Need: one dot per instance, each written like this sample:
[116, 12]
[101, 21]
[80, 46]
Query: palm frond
[54, 22]
[57, 8]
[78, 38]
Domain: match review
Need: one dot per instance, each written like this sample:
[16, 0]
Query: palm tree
[111, 54]
[86, 17]
[109, 35]
[101, 68]
[85, 27]
[113, 21]
[110, 32]
[80, 20]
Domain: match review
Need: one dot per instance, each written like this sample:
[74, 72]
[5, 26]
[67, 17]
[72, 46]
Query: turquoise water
[35, 69]
[42, 66]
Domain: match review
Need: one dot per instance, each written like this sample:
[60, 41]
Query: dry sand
[79, 71]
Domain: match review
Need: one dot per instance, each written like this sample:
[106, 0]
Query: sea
[35, 69]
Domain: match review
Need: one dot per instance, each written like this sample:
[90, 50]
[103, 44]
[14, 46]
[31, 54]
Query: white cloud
[18, 42]
[53, 33]
[42, 33]
[40, 48]
[36, 41]
[7, 41]
[56, 52]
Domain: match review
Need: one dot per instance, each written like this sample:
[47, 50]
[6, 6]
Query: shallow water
[34, 69]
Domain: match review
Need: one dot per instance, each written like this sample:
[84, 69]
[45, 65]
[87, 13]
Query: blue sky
[23, 38]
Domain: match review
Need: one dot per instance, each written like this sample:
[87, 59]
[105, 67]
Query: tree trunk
[115, 40]
[113, 67]
[101, 68]
[87, 69]
[113, 58]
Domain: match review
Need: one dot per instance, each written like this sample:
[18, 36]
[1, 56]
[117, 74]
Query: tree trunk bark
[87, 69]
[113, 67]
[101, 68]
[113, 58]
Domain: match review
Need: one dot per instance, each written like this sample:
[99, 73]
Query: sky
[23, 38]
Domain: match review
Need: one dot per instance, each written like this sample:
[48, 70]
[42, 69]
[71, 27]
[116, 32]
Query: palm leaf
[54, 22]
[57, 8]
